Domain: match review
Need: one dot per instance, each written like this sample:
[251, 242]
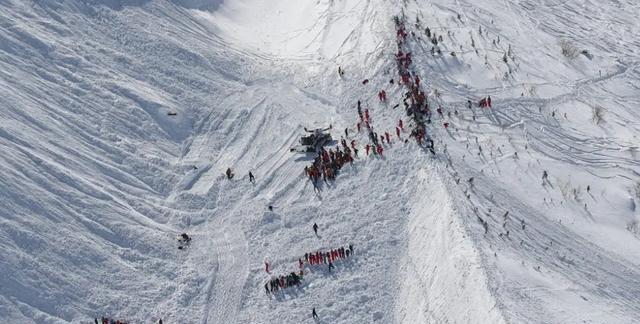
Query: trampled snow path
[96, 179]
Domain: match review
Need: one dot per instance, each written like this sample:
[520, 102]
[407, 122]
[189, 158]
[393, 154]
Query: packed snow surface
[118, 119]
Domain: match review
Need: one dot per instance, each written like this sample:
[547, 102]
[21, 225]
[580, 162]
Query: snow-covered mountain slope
[567, 251]
[119, 119]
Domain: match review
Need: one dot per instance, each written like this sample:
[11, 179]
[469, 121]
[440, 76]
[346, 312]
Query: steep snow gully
[118, 119]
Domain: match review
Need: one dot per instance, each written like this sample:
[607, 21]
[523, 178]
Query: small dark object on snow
[184, 240]
[229, 174]
[270, 208]
[587, 54]
[172, 114]
[365, 81]
[316, 139]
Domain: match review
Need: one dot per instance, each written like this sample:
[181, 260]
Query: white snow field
[118, 119]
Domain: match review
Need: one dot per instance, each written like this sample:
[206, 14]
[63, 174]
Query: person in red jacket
[398, 131]
[266, 266]
[387, 136]
[380, 149]
[367, 147]
[400, 124]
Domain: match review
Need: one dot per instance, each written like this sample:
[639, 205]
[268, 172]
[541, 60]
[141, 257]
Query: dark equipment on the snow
[314, 141]
[184, 240]
[172, 114]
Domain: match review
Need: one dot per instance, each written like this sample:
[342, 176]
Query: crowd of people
[485, 102]
[105, 320]
[284, 281]
[328, 162]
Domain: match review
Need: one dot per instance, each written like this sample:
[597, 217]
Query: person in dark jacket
[229, 173]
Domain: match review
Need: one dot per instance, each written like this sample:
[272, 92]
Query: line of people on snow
[294, 279]
[105, 320]
[328, 257]
[375, 146]
[284, 281]
[415, 100]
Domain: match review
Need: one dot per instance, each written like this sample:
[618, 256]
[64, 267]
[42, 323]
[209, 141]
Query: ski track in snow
[97, 180]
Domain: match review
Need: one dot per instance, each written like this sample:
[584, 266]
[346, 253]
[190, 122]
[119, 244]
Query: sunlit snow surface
[96, 179]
